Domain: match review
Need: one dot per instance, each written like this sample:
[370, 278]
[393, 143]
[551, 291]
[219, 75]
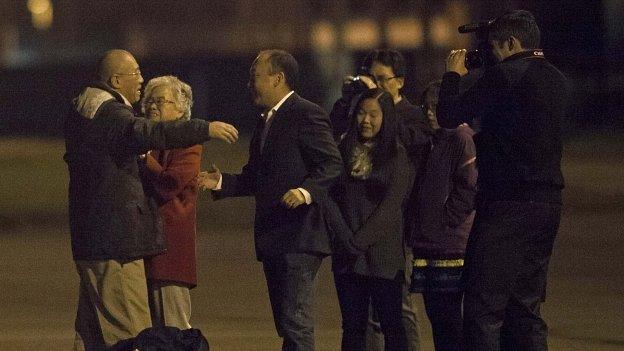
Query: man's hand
[293, 199]
[208, 180]
[456, 62]
[223, 131]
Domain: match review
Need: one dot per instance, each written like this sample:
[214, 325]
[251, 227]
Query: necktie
[267, 125]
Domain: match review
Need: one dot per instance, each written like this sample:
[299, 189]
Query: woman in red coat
[170, 176]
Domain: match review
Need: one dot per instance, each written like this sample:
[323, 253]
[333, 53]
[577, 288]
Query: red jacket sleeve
[181, 168]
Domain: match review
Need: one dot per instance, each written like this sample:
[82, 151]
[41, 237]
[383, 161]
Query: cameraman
[386, 69]
[520, 103]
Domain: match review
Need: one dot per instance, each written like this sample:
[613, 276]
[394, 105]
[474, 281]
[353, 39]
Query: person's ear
[114, 81]
[513, 43]
[279, 78]
[400, 82]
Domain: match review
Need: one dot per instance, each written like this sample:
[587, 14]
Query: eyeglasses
[135, 73]
[383, 80]
[159, 102]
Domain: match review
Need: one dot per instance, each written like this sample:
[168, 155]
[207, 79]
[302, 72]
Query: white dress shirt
[269, 115]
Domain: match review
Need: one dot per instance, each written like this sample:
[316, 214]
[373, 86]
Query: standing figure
[366, 217]
[170, 177]
[444, 215]
[113, 224]
[293, 160]
[520, 103]
[386, 69]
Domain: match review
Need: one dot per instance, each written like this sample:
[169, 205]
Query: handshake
[210, 180]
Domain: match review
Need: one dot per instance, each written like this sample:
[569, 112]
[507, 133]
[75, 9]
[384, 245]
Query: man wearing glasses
[113, 224]
[386, 69]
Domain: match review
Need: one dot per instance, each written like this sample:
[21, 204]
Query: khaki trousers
[112, 304]
[170, 305]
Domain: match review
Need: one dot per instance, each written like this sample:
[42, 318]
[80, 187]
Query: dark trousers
[290, 281]
[444, 310]
[355, 294]
[505, 275]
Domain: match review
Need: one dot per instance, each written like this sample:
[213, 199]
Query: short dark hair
[386, 57]
[520, 24]
[282, 61]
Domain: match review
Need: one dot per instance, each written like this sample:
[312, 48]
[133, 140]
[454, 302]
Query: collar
[117, 95]
[271, 112]
[535, 53]
[281, 102]
[125, 100]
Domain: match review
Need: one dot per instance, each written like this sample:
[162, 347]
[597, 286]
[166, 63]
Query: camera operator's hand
[456, 62]
[370, 84]
[368, 81]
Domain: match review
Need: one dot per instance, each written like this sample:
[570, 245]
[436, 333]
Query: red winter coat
[170, 176]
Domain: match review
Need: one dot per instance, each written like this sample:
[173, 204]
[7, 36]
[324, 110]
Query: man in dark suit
[293, 159]
[113, 224]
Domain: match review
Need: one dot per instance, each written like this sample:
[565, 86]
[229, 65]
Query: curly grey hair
[182, 93]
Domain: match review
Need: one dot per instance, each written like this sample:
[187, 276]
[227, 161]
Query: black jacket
[109, 214]
[414, 134]
[299, 152]
[519, 105]
[367, 221]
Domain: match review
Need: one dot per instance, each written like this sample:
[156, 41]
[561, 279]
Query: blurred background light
[323, 36]
[405, 33]
[41, 12]
[441, 31]
[361, 34]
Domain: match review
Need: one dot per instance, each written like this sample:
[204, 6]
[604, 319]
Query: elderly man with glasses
[113, 224]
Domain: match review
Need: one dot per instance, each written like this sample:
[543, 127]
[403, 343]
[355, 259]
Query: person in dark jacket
[385, 69]
[444, 215]
[170, 176]
[293, 160]
[366, 209]
[520, 104]
[113, 224]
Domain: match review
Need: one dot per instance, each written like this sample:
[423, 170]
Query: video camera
[482, 56]
[354, 85]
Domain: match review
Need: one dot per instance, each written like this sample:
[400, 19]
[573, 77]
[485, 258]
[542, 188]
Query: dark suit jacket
[299, 151]
[110, 217]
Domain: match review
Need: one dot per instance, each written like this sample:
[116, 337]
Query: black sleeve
[413, 128]
[377, 224]
[243, 184]
[339, 117]
[127, 134]
[340, 232]
[455, 108]
[320, 152]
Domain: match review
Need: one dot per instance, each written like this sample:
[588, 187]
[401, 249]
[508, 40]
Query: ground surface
[38, 283]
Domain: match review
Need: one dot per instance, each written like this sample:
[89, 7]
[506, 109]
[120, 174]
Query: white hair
[182, 93]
